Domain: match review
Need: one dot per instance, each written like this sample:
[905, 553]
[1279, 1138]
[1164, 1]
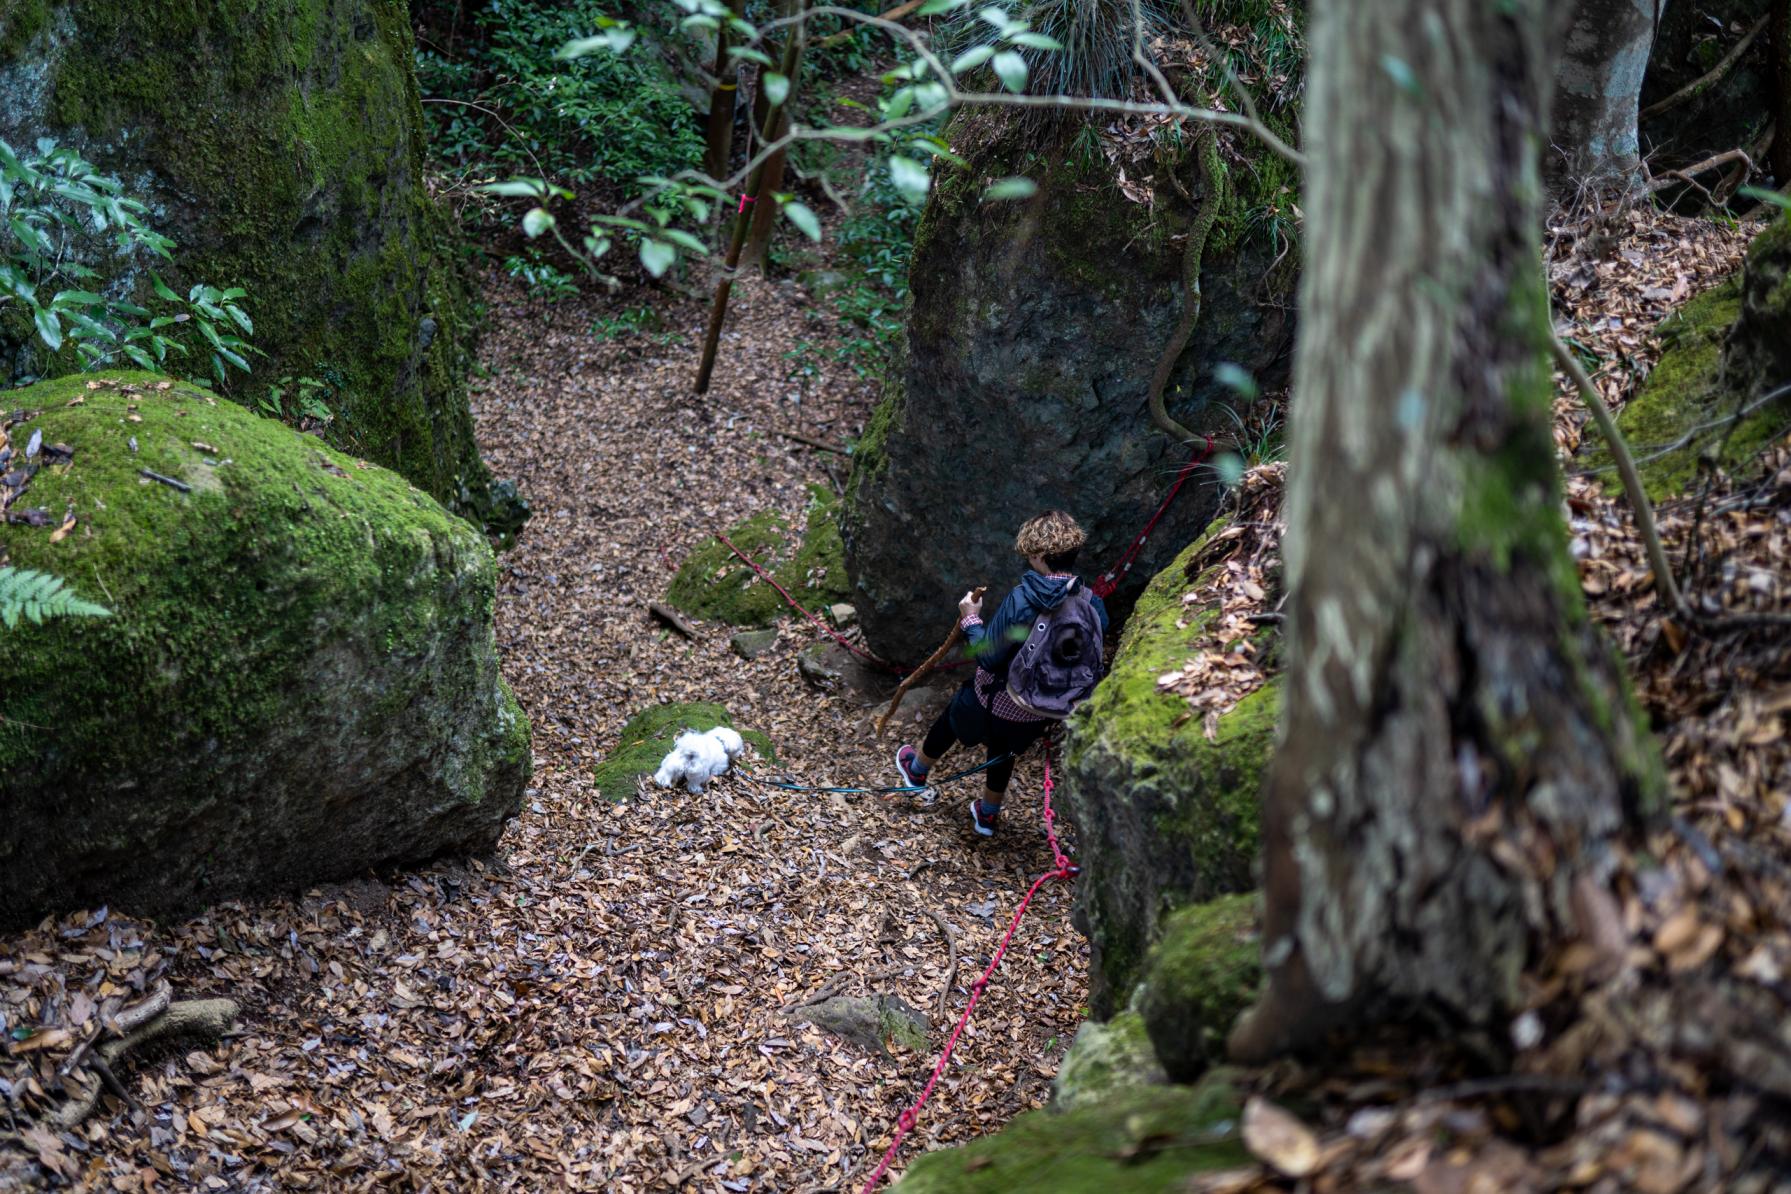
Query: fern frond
[37, 597]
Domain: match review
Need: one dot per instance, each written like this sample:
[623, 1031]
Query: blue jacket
[994, 644]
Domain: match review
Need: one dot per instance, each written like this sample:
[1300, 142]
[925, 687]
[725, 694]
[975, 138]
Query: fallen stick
[951, 968]
[912, 678]
[812, 442]
[168, 481]
[672, 618]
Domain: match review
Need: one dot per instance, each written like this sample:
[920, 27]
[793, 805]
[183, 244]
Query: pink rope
[1065, 869]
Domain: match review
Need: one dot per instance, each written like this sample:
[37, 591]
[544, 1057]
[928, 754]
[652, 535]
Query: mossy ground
[1203, 970]
[1148, 1141]
[714, 583]
[648, 735]
[281, 145]
[1709, 371]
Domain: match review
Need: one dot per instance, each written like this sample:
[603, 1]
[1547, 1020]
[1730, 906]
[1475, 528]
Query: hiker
[1038, 658]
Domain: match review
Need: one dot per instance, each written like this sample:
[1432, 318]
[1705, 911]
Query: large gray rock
[298, 680]
[1031, 339]
[281, 146]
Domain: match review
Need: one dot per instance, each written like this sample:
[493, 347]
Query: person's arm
[1100, 608]
[970, 621]
[998, 636]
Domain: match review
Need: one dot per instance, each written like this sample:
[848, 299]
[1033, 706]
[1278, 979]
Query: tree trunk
[1780, 49]
[1459, 746]
[1598, 88]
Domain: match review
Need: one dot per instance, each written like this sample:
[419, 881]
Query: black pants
[966, 720]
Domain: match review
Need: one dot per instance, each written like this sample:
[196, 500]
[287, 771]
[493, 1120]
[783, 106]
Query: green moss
[1106, 1058]
[870, 452]
[1681, 393]
[1200, 798]
[292, 135]
[1147, 1141]
[20, 22]
[715, 583]
[1202, 972]
[288, 589]
[647, 737]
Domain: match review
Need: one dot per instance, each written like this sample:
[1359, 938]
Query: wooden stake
[756, 194]
[912, 678]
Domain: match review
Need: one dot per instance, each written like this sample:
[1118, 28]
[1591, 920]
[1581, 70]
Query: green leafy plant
[37, 597]
[55, 208]
[544, 279]
[510, 103]
[303, 402]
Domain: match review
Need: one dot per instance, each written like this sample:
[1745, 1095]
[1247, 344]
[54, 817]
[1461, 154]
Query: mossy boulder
[1724, 354]
[1141, 1141]
[1106, 1057]
[647, 737]
[298, 681]
[281, 146]
[1032, 336]
[715, 583]
[1203, 970]
[1164, 816]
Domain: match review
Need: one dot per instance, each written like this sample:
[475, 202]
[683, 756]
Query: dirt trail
[602, 1006]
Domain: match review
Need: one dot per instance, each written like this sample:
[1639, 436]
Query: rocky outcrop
[1106, 1057]
[1720, 383]
[1201, 972]
[280, 145]
[1164, 815]
[1032, 336]
[298, 679]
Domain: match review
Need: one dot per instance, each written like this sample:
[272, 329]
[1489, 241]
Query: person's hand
[970, 606]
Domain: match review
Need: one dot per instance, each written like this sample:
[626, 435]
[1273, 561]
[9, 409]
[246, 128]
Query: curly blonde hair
[1053, 535]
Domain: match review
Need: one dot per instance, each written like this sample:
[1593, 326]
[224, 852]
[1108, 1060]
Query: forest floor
[607, 1007]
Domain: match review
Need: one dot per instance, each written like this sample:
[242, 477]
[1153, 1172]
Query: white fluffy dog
[698, 758]
[729, 739]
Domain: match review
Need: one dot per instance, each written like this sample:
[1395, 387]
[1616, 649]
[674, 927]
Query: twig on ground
[951, 967]
[811, 441]
[1664, 581]
[672, 618]
[168, 481]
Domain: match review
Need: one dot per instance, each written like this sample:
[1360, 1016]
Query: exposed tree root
[156, 1018]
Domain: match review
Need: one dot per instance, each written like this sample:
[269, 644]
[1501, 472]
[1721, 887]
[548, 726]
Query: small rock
[824, 281]
[822, 666]
[750, 644]
[843, 615]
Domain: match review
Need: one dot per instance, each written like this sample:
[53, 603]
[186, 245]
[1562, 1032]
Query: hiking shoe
[984, 816]
[906, 760]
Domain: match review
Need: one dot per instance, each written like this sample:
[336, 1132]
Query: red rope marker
[744, 200]
[1109, 580]
[1064, 869]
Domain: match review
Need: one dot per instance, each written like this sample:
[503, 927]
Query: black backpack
[1059, 664]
